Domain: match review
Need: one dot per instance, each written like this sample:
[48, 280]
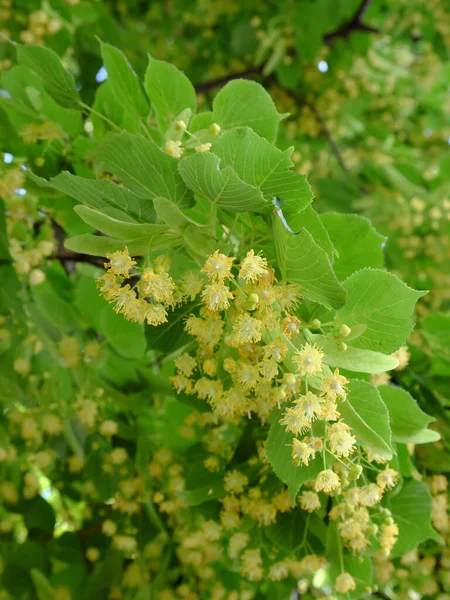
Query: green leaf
[28, 91]
[309, 266]
[368, 416]
[411, 510]
[264, 166]
[278, 448]
[365, 249]
[287, 532]
[61, 314]
[170, 214]
[384, 303]
[202, 174]
[96, 245]
[106, 573]
[409, 423]
[127, 339]
[436, 330]
[246, 103]
[101, 193]
[143, 167]
[120, 229]
[139, 238]
[57, 81]
[108, 105]
[39, 516]
[44, 590]
[169, 90]
[123, 81]
[354, 359]
[10, 392]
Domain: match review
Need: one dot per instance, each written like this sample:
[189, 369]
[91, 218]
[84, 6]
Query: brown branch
[355, 24]
[333, 144]
[66, 256]
[249, 73]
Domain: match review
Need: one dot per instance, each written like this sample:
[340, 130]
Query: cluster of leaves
[115, 484]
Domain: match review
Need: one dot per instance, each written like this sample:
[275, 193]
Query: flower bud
[252, 302]
[316, 324]
[36, 277]
[180, 125]
[355, 472]
[214, 129]
[344, 330]
[289, 379]
[279, 394]
[342, 347]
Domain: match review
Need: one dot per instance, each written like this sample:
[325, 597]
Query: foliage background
[366, 86]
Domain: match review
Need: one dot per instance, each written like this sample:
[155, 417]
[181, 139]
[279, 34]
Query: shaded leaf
[368, 416]
[384, 303]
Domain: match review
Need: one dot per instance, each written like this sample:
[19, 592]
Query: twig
[249, 73]
[65, 256]
[333, 145]
[355, 24]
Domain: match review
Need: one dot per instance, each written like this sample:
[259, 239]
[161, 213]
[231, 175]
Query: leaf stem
[91, 110]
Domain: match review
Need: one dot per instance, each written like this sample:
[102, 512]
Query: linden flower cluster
[40, 25]
[419, 571]
[244, 362]
[28, 250]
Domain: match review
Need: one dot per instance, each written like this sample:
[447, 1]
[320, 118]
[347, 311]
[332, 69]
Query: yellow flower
[186, 364]
[294, 420]
[289, 296]
[158, 285]
[309, 501]
[109, 428]
[235, 482]
[203, 147]
[309, 360]
[301, 452]
[344, 583]
[216, 296]
[247, 329]
[238, 541]
[120, 263]
[279, 571]
[108, 286]
[247, 375]
[156, 314]
[309, 407]
[289, 325]
[253, 267]
[92, 554]
[387, 479]
[402, 355]
[370, 494]
[389, 533]
[335, 386]
[109, 528]
[342, 443]
[126, 543]
[30, 133]
[326, 481]
[52, 425]
[174, 148]
[190, 285]
[218, 266]
[251, 565]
